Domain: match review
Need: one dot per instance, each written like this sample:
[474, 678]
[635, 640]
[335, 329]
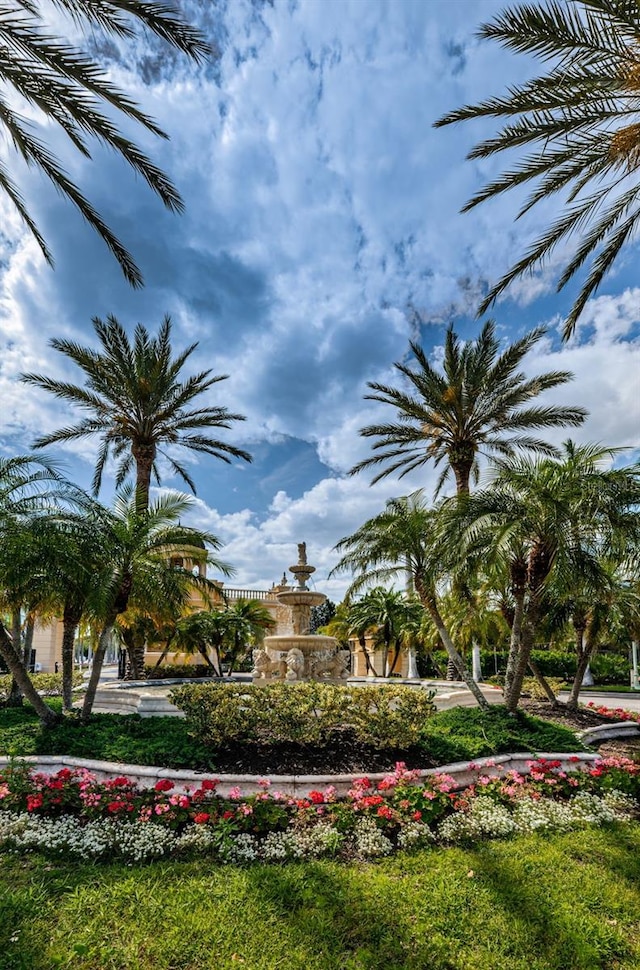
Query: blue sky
[322, 232]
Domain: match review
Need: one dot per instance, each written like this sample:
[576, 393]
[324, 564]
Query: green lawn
[564, 902]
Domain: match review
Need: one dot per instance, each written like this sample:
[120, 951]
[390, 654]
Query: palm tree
[27, 487]
[136, 404]
[549, 520]
[387, 615]
[200, 632]
[248, 623]
[132, 547]
[405, 538]
[67, 87]
[579, 122]
[479, 404]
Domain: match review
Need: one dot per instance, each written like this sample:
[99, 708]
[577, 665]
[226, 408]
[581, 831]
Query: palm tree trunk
[14, 698]
[428, 599]
[367, 659]
[542, 680]
[144, 456]
[19, 672]
[584, 656]
[395, 657]
[519, 669]
[69, 627]
[96, 669]
[518, 588]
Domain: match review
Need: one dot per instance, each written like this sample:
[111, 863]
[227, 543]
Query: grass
[464, 733]
[547, 902]
[459, 734]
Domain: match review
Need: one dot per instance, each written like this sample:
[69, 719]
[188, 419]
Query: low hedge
[49, 685]
[178, 672]
[384, 716]
[606, 668]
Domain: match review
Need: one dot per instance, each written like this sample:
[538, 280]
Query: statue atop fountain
[301, 655]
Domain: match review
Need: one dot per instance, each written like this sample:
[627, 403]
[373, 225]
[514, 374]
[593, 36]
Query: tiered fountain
[301, 655]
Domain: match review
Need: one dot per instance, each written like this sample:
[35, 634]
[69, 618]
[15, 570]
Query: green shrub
[532, 687]
[606, 668]
[224, 714]
[49, 685]
[177, 672]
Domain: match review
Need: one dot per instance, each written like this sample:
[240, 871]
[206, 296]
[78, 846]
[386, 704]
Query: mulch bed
[345, 755]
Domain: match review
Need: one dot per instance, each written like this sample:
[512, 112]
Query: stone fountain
[301, 655]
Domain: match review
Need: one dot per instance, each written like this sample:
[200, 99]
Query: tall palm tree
[549, 520]
[478, 404]
[64, 85]
[136, 404]
[579, 124]
[132, 548]
[405, 538]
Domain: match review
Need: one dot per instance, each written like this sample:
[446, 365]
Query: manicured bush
[49, 685]
[384, 716]
[178, 672]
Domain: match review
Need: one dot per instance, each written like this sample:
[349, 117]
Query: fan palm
[580, 121]
[478, 404]
[67, 87]
[136, 403]
[402, 539]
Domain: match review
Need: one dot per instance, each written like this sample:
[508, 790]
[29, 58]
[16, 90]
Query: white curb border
[297, 785]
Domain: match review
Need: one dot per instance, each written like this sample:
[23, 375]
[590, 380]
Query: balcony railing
[246, 594]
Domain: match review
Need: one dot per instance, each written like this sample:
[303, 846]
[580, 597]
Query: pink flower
[264, 783]
[234, 792]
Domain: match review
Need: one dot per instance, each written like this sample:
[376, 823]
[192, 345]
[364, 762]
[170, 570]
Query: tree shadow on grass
[540, 903]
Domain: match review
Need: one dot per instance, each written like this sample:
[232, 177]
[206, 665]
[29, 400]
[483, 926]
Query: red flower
[227, 814]
[201, 818]
[417, 815]
[33, 802]
[116, 806]
[164, 785]
[317, 797]
[210, 784]
[65, 774]
[56, 783]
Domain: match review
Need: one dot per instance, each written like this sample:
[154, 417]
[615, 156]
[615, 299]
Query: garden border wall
[298, 785]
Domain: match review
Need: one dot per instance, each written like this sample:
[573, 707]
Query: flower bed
[614, 713]
[72, 813]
